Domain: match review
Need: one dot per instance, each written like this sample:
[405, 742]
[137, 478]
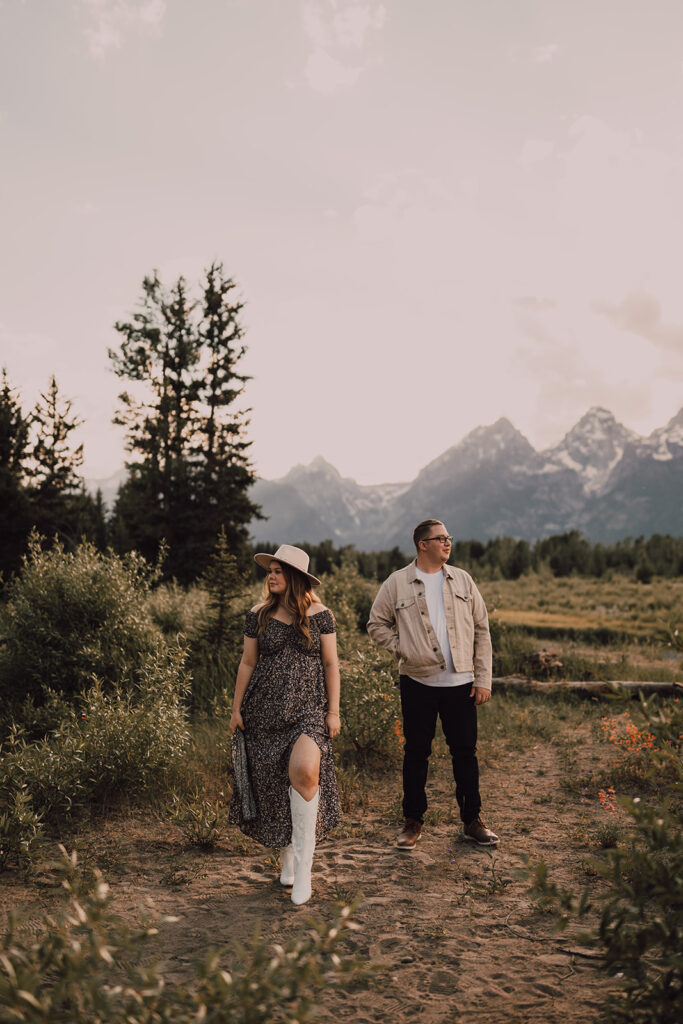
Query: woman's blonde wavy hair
[297, 599]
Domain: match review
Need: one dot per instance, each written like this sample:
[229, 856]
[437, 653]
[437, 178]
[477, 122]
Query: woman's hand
[333, 723]
[236, 721]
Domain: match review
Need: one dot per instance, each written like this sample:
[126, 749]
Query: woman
[287, 704]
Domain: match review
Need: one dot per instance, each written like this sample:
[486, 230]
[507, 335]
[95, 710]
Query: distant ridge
[602, 479]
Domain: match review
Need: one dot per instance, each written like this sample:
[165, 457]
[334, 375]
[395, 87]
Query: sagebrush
[86, 965]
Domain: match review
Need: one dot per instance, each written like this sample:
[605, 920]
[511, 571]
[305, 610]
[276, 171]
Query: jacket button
[433, 648]
[421, 613]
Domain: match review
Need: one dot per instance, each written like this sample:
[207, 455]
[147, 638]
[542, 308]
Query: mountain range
[601, 479]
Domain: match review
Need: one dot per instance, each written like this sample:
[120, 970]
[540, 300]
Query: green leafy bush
[20, 826]
[177, 610]
[607, 835]
[511, 649]
[85, 965]
[641, 908]
[203, 822]
[349, 596]
[371, 729]
[71, 616]
[114, 743]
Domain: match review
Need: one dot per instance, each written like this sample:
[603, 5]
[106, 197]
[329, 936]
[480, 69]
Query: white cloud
[545, 54]
[353, 23]
[535, 150]
[110, 20]
[640, 313]
[341, 23]
[341, 32]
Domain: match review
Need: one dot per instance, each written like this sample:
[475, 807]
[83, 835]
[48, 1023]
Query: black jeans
[421, 705]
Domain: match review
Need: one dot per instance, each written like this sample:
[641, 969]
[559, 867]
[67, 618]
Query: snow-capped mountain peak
[592, 448]
[601, 479]
[319, 467]
[667, 441]
[481, 446]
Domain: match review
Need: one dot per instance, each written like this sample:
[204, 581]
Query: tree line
[189, 471]
[507, 557]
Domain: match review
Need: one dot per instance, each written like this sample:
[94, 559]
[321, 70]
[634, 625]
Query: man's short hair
[423, 530]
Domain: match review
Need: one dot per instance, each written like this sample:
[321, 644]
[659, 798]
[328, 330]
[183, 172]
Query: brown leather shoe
[479, 833]
[412, 830]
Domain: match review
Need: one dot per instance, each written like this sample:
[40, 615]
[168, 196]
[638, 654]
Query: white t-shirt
[433, 583]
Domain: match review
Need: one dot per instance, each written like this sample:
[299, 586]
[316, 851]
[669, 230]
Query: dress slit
[286, 698]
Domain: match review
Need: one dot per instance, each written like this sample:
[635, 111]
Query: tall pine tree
[190, 472]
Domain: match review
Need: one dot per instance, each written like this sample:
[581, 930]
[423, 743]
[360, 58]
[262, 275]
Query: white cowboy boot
[304, 818]
[287, 862]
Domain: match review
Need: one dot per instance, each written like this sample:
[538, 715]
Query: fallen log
[589, 688]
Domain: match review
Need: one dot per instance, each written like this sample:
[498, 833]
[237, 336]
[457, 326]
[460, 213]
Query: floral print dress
[286, 698]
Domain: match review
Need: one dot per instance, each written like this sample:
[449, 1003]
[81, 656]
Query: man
[433, 619]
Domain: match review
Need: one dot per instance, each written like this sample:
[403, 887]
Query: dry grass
[616, 602]
[609, 628]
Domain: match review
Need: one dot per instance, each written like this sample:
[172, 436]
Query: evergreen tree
[15, 515]
[224, 582]
[60, 505]
[56, 462]
[191, 473]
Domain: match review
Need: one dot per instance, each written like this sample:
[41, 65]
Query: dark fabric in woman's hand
[240, 767]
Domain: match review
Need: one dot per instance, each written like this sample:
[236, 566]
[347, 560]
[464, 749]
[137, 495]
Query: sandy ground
[454, 927]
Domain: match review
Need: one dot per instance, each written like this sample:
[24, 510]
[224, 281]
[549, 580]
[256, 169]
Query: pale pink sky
[437, 213]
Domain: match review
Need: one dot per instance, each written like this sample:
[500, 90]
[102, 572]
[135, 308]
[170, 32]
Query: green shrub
[20, 827]
[511, 649]
[176, 610]
[647, 742]
[85, 965]
[213, 670]
[371, 729]
[641, 908]
[71, 616]
[116, 743]
[203, 822]
[37, 720]
[349, 596]
[608, 835]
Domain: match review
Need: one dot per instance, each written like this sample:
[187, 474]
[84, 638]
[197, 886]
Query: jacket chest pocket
[464, 623]
[407, 618]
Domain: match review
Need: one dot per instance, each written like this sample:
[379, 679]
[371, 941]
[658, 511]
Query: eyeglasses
[441, 540]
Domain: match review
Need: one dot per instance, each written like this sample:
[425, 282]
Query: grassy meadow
[116, 693]
[612, 628]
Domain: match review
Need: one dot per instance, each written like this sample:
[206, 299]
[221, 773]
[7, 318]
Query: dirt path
[454, 926]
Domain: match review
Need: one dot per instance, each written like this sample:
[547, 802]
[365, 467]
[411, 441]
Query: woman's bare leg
[304, 767]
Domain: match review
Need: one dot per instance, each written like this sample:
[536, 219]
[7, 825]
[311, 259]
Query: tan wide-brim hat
[295, 558]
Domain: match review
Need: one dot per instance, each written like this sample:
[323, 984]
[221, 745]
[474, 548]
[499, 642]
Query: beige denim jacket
[399, 622]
